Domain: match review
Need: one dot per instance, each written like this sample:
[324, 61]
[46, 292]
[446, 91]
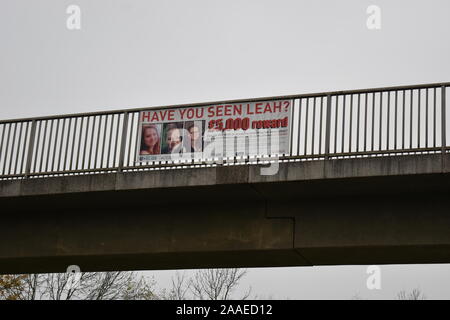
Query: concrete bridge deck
[368, 210]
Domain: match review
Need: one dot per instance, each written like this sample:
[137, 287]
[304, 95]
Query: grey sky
[140, 53]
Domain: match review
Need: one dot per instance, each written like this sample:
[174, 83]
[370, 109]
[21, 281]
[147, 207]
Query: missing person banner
[215, 131]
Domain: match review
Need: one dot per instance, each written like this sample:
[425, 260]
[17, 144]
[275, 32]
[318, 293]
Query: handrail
[200, 104]
[326, 125]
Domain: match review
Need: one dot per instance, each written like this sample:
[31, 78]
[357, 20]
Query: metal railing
[356, 123]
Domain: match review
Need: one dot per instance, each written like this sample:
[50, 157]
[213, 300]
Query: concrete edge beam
[192, 177]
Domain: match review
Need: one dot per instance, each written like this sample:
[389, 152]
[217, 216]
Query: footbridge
[366, 180]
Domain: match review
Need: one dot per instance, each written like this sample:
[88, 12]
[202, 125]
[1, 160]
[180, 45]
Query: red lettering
[248, 109]
[163, 114]
[219, 124]
[210, 112]
[277, 106]
[246, 123]
[258, 108]
[257, 124]
[237, 123]
[190, 113]
[229, 124]
[145, 116]
[219, 111]
[182, 112]
[238, 109]
[199, 112]
[228, 110]
[155, 117]
[265, 124]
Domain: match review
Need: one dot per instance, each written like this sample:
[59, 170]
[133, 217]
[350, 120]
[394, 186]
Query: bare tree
[217, 284]
[87, 286]
[205, 284]
[11, 287]
[415, 294]
[357, 296]
[179, 289]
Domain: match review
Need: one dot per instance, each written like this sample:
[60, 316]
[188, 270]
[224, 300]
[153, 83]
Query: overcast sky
[140, 53]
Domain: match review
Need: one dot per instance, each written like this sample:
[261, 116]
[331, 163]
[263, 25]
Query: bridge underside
[381, 210]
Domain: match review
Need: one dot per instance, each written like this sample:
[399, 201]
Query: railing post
[327, 128]
[123, 142]
[443, 122]
[291, 126]
[30, 148]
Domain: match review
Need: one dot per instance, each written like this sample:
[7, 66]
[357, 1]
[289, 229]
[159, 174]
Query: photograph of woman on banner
[173, 138]
[195, 129]
[150, 140]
